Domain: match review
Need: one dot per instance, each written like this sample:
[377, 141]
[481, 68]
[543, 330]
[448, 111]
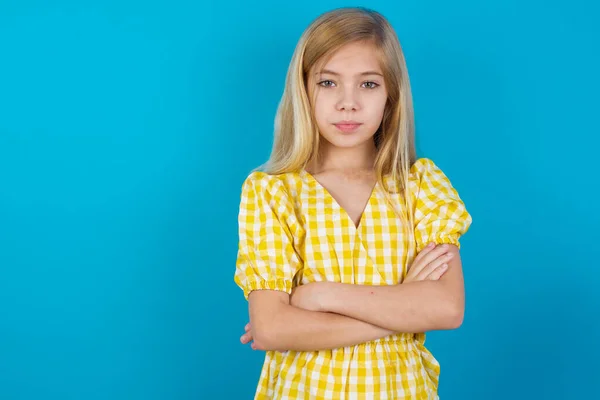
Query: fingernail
[431, 244]
[444, 266]
[450, 255]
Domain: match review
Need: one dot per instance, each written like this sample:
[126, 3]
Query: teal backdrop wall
[127, 128]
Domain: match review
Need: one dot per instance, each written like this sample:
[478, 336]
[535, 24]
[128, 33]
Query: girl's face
[349, 96]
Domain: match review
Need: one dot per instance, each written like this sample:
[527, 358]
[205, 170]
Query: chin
[346, 140]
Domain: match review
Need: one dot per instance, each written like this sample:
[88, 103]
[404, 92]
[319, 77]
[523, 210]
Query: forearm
[411, 307]
[285, 327]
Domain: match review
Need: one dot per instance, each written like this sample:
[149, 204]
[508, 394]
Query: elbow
[265, 339]
[453, 309]
[269, 334]
[455, 321]
[454, 316]
[267, 315]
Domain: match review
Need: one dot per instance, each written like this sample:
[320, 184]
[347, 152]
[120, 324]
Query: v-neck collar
[323, 189]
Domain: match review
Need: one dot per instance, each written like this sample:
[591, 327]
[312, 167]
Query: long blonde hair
[296, 139]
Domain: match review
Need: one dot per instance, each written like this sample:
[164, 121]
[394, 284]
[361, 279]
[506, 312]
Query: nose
[348, 100]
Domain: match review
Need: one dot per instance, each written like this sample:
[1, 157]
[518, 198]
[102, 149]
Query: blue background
[127, 128]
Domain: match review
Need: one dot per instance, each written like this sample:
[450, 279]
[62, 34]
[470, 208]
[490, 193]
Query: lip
[347, 126]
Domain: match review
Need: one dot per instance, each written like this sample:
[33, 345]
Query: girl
[330, 225]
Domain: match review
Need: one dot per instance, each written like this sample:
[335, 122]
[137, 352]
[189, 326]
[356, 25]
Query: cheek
[381, 104]
[321, 109]
[377, 106]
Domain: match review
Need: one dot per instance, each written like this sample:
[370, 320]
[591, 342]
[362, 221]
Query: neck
[348, 159]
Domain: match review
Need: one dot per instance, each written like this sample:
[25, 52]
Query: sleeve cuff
[442, 238]
[281, 284]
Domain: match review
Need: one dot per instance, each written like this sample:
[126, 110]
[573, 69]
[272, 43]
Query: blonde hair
[296, 138]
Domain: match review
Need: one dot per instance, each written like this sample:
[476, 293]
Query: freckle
[371, 292]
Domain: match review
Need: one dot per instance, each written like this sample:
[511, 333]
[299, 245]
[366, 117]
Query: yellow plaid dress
[293, 232]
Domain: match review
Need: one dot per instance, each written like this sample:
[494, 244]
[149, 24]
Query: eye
[371, 85]
[326, 83]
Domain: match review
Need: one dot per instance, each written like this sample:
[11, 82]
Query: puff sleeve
[440, 215]
[267, 228]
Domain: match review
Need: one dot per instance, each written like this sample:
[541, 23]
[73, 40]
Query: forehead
[353, 58]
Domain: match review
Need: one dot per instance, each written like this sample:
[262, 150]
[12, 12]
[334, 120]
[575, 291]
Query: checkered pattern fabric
[292, 232]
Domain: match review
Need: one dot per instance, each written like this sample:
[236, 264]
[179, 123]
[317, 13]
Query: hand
[310, 297]
[247, 337]
[430, 264]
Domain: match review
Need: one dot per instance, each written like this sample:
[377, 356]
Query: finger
[423, 252]
[434, 265]
[247, 327]
[431, 255]
[437, 273]
[253, 346]
[246, 338]
[435, 253]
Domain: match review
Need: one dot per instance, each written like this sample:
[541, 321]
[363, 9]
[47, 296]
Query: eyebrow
[327, 71]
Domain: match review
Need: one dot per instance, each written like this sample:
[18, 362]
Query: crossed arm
[327, 315]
